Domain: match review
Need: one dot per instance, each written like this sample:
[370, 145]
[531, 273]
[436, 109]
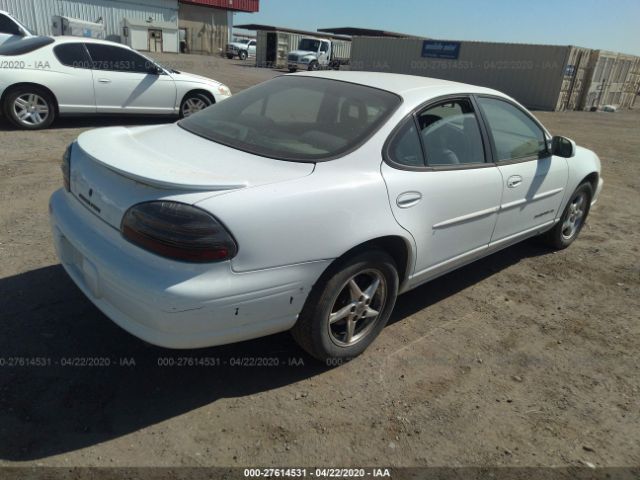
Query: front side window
[72, 55]
[296, 118]
[324, 47]
[106, 57]
[309, 45]
[8, 26]
[450, 134]
[515, 135]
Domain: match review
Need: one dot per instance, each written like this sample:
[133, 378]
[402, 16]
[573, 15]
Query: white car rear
[308, 203]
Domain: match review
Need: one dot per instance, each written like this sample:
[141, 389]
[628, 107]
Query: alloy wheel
[357, 307]
[31, 109]
[575, 215]
[193, 105]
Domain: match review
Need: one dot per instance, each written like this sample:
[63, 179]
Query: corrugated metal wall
[576, 78]
[36, 14]
[207, 28]
[614, 79]
[532, 74]
[239, 5]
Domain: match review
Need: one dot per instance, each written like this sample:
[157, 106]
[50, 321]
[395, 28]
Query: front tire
[229, 56]
[573, 218]
[194, 103]
[30, 108]
[242, 55]
[314, 66]
[348, 307]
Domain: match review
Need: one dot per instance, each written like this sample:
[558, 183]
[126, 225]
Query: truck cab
[312, 54]
[241, 48]
[11, 29]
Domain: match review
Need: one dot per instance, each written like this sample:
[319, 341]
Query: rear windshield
[25, 45]
[296, 118]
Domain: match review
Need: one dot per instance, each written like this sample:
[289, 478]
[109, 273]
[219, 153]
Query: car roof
[69, 38]
[401, 84]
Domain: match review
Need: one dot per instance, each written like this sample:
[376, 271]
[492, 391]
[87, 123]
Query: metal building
[37, 14]
[206, 25]
[543, 77]
[203, 26]
[273, 44]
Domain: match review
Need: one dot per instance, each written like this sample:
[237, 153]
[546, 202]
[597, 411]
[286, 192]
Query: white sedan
[45, 77]
[309, 202]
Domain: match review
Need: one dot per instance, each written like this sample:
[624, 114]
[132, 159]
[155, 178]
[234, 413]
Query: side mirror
[563, 147]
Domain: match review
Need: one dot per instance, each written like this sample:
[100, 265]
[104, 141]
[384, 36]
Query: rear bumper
[168, 303]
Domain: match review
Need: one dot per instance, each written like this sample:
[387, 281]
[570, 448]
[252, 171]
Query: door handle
[408, 199]
[514, 181]
[104, 80]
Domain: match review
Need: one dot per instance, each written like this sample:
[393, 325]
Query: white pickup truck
[319, 54]
[241, 49]
[11, 29]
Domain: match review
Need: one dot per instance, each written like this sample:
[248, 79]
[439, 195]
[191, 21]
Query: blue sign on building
[438, 49]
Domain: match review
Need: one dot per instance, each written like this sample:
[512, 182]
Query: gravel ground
[525, 358]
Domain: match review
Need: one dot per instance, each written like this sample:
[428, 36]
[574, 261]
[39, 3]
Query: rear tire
[30, 108]
[573, 219]
[348, 307]
[293, 70]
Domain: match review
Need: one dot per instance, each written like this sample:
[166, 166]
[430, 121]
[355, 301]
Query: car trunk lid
[114, 168]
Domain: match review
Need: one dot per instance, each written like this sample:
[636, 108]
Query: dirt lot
[525, 358]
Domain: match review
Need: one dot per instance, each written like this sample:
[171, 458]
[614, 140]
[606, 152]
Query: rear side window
[451, 134]
[72, 55]
[9, 26]
[24, 46]
[405, 149]
[515, 135]
[106, 57]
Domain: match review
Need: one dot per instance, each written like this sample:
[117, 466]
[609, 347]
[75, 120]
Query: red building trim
[238, 5]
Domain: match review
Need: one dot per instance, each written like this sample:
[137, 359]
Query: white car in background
[46, 77]
[11, 29]
[309, 202]
[241, 49]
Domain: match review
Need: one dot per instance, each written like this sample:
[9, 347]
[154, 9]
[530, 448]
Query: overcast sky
[604, 24]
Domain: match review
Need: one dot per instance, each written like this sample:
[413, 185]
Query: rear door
[127, 82]
[442, 185]
[533, 179]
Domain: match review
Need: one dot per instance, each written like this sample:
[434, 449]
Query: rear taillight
[65, 166]
[178, 231]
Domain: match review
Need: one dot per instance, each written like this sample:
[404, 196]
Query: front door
[441, 188]
[155, 40]
[533, 179]
[126, 82]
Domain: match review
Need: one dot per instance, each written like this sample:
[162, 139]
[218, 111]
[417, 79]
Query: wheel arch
[14, 86]
[397, 247]
[592, 178]
[200, 91]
